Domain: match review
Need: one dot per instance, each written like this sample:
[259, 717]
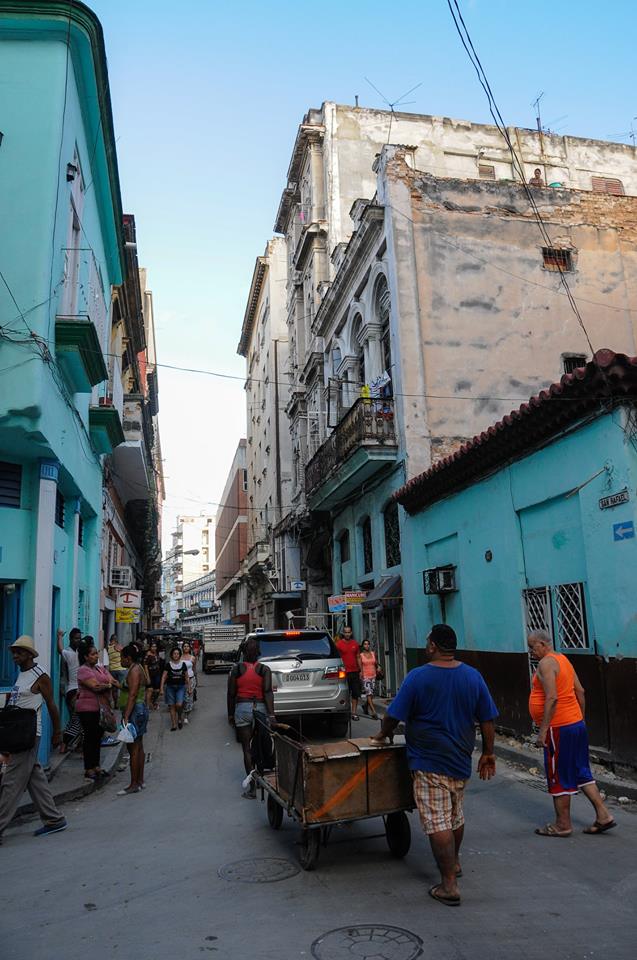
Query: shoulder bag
[18, 729]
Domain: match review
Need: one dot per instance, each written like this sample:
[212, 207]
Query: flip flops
[437, 893]
[548, 830]
[600, 827]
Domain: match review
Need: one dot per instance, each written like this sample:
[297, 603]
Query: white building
[199, 603]
[190, 556]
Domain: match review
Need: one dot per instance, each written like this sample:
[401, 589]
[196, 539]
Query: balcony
[361, 446]
[105, 427]
[259, 554]
[79, 353]
[130, 469]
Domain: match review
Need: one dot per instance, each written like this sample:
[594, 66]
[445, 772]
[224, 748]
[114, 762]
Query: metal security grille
[573, 361]
[537, 609]
[59, 509]
[392, 535]
[10, 484]
[368, 553]
[571, 616]
[555, 258]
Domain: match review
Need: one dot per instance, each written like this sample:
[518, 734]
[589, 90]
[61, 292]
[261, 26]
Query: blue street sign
[624, 531]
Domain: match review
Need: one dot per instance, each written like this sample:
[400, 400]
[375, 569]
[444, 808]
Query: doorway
[390, 629]
[10, 615]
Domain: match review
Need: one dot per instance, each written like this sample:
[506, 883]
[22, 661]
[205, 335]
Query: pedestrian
[440, 704]
[154, 669]
[174, 681]
[250, 701]
[369, 672]
[94, 685]
[135, 711]
[557, 706]
[350, 655]
[69, 666]
[191, 692]
[22, 770]
[114, 651]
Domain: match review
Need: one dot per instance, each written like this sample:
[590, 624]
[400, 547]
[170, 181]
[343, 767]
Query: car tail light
[292, 633]
[334, 673]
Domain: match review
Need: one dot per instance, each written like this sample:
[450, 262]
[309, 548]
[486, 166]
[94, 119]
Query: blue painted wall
[537, 536]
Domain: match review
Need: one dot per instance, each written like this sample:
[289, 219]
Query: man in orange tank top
[556, 705]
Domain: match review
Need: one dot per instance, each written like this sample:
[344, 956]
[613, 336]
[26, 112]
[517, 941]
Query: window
[343, 541]
[80, 532]
[59, 509]
[245, 480]
[392, 534]
[557, 259]
[383, 310]
[573, 361]
[486, 171]
[10, 484]
[561, 611]
[368, 551]
[607, 185]
[81, 611]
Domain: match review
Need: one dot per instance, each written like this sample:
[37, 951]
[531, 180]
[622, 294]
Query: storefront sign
[131, 599]
[345, 601]
[127, 615]
[614, 499]
[296, 585]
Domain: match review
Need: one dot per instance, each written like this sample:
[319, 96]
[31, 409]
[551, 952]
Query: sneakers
[250, 793]
[48, 828]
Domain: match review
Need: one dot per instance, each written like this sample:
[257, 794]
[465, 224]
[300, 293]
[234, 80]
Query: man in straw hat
[22, 771]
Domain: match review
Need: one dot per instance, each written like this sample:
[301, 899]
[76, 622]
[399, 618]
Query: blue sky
[207, 97]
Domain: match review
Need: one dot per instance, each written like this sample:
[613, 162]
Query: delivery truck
[221, 645]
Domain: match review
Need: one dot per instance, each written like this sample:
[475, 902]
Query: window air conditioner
[439, 580]
[122, 577]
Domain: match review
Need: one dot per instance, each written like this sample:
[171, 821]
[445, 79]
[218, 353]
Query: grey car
[308, 677]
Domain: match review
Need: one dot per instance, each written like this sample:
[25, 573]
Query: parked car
[308, 677]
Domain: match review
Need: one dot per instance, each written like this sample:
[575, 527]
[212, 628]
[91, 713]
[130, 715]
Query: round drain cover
[373, 942]
[258, 870]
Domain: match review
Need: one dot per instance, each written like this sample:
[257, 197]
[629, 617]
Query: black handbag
[18, 729]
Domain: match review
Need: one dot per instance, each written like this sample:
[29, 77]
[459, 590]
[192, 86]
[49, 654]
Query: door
[9, 629]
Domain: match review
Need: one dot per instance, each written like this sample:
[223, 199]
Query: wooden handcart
[323, 785]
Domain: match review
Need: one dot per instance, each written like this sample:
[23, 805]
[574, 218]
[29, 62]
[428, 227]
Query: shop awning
[387, 593]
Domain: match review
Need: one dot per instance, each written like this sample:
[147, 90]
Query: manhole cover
[259, 870]
[369, 943]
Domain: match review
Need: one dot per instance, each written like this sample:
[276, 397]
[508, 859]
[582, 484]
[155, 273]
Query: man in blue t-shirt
[440, 705]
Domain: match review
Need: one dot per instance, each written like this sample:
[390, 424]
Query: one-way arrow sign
[624, 531]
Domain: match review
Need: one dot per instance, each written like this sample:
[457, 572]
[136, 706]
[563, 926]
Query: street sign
[205, 604]
[129, 598]
[127, 615]
[297, 584]
[624, 531]
[614, 499]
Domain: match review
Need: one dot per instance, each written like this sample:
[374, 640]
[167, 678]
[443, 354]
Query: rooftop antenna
[536, 104]
[626, 135]
[400, 101]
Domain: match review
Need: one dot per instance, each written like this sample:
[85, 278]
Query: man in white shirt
[71, 665]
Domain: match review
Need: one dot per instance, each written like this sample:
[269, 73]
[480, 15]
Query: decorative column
[44, 549]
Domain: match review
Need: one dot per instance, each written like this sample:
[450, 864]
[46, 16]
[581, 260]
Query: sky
[207, 97]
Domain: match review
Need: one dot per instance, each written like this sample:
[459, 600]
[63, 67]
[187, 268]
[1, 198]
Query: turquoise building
[61, 250]
[532, 525]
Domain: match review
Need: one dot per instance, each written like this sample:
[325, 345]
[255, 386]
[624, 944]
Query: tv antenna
[627, 135]
[538, 117]
[400, 102]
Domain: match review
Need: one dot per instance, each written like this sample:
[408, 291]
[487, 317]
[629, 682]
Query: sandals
[600, 827]
[355, 717]
[549, 830]
[437, 893]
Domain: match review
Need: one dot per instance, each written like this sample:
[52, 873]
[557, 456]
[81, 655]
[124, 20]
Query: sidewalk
[66, 777]
[530, 758]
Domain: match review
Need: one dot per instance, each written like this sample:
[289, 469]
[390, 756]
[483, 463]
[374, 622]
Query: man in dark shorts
[350, 655]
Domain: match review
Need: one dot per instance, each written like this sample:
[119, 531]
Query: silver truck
[221, 645]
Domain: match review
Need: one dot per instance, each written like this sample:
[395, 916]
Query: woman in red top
[94, 683]
[249, 694]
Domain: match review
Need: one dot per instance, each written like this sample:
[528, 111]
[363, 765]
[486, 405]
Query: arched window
[357, 347]
[382, 309]
[368, 549]
[392, 534]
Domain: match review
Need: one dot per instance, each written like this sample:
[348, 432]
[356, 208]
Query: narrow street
[138, 877]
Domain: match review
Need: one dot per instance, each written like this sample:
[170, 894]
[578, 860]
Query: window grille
[557, 259]
[80, 532]
[368, 551]
[608, 185]
[486, 171]
[392, 535]
[572, 633]
[59, 509]
[537, 609]
[10, 484]
[573, 362]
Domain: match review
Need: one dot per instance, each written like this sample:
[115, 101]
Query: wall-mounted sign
[614, 499]
[624, 531]
[205, 604]
[127, 615]
[344, 601]
[297, 584]
[129, 598]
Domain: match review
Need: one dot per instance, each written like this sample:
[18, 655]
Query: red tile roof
[589, 391]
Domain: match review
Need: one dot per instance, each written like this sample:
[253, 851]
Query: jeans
[90, 720]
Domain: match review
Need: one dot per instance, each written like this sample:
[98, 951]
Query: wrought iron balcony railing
[366, 423]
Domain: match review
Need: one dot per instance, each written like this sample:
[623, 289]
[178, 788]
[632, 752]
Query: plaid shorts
[439, 801]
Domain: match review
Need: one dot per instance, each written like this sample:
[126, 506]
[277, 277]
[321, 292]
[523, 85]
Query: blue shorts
[139, 717]
[244, 713]
[175, 695]
[566, 759]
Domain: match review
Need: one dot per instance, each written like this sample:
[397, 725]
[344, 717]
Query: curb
[523, 758]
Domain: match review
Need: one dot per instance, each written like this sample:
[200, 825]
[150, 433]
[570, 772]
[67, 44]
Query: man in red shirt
[351, 657]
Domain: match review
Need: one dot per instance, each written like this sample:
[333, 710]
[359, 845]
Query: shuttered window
[486, 171]
[608, 185]
[10, 484]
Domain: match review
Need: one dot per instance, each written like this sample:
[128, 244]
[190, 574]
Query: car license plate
[290, 677]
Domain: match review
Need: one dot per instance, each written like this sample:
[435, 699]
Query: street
[139, 876]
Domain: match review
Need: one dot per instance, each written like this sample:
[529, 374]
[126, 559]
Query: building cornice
[258, 275]
[308, 133]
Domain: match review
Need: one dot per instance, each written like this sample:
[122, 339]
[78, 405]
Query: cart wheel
[275, 813]
[310, 846]
[398, 833]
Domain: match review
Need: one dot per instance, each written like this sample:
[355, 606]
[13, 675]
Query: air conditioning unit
[439, 580]
[122, 577]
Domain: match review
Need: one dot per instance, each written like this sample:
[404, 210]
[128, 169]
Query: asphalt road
[138, 877]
